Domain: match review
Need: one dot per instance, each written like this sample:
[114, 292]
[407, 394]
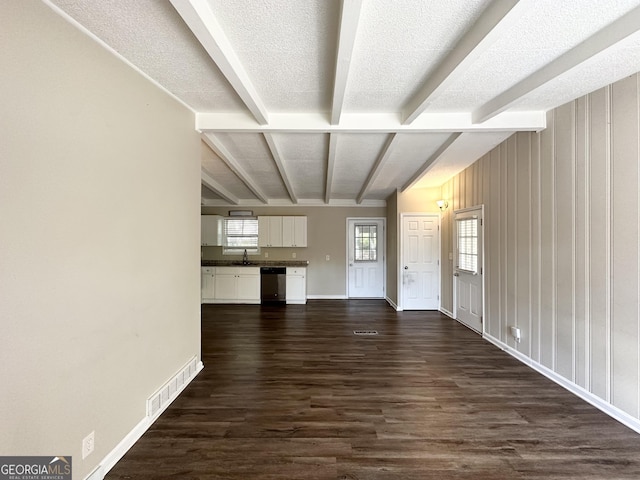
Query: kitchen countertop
[254, 263]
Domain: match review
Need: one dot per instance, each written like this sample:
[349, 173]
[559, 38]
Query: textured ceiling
[346, 101]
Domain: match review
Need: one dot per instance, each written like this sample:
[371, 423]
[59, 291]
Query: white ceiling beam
[199, 17]
[425, 166]
[605, 38]
[377, 168]
[221, 151]
[275, 153]
[495, 20]
[331, 162]
[349, 19]
[371, 122]
[209, 182]
[305, 202]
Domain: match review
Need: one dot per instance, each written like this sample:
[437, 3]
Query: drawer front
[296, 271]
[226, 270]
[208, 269]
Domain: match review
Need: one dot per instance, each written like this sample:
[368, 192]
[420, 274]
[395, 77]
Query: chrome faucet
[245, 258]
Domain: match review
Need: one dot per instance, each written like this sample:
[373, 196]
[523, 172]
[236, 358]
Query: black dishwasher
[273, 284]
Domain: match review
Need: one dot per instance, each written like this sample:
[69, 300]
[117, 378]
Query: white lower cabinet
[296, 285]
[207, 284]
[236, 285]
[242, 285]
[249, 285]
[226, 283]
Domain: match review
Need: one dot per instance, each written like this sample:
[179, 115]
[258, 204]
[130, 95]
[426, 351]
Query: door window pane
[467, 242]
[366, 243]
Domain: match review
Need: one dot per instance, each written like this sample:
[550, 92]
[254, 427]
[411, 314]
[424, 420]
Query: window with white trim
[240, 234]
[467, 244]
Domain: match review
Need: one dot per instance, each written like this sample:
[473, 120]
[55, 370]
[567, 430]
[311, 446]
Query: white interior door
[365, 257]
[468, 267]
[420, 265]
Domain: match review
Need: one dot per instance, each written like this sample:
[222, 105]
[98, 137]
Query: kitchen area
[235, 258]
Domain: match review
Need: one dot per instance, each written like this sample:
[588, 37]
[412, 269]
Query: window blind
[467, 241]
[241, 233]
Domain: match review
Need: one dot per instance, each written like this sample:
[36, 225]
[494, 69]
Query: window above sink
[240, 234]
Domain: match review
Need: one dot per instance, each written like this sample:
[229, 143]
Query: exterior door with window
[365, 258]
[468, 267]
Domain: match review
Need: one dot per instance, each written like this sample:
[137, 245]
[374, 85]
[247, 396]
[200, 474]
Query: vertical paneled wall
[562, 242]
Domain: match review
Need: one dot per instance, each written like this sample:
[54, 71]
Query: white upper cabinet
[294, 231]
[269, 231]
[279, 231]
[211, 230]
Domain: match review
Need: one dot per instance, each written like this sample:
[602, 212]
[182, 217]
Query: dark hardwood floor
[291, 393]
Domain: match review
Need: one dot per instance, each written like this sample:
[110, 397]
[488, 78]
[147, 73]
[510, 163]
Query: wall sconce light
[442, 204]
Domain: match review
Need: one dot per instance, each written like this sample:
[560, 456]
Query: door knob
[406, 268]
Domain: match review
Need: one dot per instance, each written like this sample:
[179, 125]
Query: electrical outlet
[266, 254]
[515, 333]
[294, 255]
[327, 258]
[88, 444]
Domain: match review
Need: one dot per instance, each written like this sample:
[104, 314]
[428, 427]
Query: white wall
[99, 239]
[562, 243]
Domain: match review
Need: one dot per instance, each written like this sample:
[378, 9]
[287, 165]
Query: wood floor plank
[291, 393]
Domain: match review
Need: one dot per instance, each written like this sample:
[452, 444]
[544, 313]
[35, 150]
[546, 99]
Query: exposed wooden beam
[605, 38]
[349, 19]
[331, 161]
[209, 182]
[199, 17]
[221, 151]
[370, 122]
[425, 166]
[377, 167]
[280, 165]
[496, 19]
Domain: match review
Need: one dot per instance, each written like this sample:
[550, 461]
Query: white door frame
[383, 252]
[401, 263]
[481, 265]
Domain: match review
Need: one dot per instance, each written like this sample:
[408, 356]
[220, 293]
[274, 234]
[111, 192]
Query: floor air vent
[160, 400]
[365, 332]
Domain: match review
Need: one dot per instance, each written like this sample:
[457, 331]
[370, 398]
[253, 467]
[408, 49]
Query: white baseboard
[446, 312]
[134, 435]
[393, 304]
[611, 410]
[327, 297]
